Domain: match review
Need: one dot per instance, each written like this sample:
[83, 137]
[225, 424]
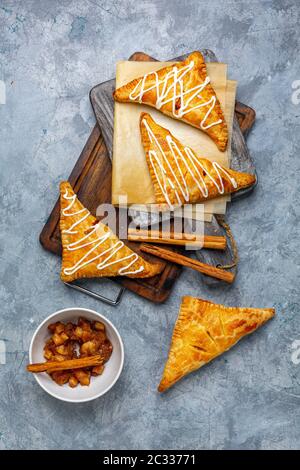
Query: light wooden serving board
[103, 105]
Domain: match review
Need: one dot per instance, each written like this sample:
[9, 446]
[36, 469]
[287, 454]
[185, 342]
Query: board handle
[97, 296]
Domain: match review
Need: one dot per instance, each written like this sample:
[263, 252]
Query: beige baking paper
[131, 177]
[218, 208]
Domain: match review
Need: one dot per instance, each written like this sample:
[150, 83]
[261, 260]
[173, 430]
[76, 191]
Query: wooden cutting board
[91, 180]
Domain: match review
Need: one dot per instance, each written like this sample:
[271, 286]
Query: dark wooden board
[91, 180]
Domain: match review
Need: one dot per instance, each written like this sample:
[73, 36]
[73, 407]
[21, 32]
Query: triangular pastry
[180, 176]
[205, 330]
[182, 91]
[90, 248]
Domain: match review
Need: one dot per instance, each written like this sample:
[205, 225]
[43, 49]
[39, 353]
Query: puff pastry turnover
[205, 330]
[90, 248]
[180, 176]
[182, 91]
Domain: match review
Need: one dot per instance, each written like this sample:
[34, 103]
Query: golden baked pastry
[180, 176]
[182, 91]
[90, 248]
[205, 330]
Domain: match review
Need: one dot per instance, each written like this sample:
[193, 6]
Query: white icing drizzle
[191, 163]
[163, 88]
[96, 241]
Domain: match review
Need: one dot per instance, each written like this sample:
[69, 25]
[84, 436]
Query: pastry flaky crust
[205, 330]
[179, 175]
[90, 248]
[182, 91]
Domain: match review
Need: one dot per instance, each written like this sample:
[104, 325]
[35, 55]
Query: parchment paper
[130, 176]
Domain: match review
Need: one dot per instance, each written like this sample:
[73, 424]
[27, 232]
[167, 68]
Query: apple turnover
[205, 330]
[90, 248]
[179, 176]
[182, 91]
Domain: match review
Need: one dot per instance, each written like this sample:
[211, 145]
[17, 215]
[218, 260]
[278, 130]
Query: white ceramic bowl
[99, 385]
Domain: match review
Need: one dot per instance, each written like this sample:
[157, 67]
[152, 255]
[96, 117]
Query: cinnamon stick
[179, 239]
[203, 268]
[67, 364]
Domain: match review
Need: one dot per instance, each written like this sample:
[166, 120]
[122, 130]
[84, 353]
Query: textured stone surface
[51, 54]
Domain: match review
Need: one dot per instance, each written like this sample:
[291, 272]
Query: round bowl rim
[86, 310]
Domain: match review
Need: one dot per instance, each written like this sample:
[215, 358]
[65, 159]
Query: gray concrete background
[51, 54]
